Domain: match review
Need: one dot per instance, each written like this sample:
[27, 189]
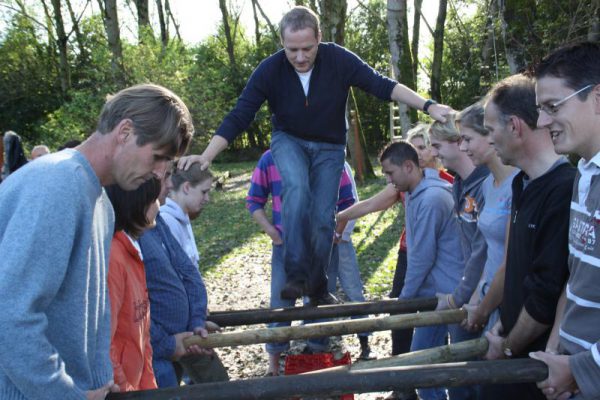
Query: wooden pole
[338, 383]
[324, 329]
[463, 351]
[260, 316]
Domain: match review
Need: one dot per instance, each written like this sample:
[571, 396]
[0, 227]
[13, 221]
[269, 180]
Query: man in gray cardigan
[56, 225]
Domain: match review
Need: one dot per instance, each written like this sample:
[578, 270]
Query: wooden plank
[365, 381]
[263, 316]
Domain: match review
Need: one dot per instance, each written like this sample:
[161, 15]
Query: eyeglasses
[551, 109]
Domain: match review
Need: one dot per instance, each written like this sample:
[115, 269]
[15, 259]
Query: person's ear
[124, 131]
[515, 125]
[596, 98]
[185, 187]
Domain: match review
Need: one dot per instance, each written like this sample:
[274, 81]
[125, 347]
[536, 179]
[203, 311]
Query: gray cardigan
[56, 225]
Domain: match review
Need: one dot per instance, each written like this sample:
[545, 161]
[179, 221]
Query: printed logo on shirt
[141, 309]
[470, 209]
[583, 232]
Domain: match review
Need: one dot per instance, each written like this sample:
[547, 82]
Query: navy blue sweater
[320, 116]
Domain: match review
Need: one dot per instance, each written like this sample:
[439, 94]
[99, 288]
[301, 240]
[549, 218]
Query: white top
[305, 80]
[587, 169]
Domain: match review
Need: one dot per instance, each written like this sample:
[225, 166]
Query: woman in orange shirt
[130, 349]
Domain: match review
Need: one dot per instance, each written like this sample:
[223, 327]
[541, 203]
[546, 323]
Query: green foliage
[533, 29]
[29, 86]
[366, 35]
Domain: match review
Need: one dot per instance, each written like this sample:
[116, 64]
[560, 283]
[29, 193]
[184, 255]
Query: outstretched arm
[409, 97]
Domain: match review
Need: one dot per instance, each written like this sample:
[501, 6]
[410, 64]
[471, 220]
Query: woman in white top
[185, 203]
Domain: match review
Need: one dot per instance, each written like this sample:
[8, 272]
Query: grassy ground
[228, 237]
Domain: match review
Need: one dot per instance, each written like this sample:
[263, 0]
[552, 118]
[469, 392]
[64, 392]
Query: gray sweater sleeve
[36, 236]
[473, 269]
[422, 252]
[585, 367]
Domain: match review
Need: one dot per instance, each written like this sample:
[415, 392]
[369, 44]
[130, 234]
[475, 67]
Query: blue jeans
[344, 266]
[310, 176]
[433, 336]
[277, 283]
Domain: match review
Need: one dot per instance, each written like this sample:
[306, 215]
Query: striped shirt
[580, 326]
[266, 180]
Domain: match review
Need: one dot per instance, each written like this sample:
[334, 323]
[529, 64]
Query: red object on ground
[300, 363]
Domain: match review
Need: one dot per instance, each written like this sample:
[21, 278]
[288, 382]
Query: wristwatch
[505, 349]
[337, 235]
[427, 104]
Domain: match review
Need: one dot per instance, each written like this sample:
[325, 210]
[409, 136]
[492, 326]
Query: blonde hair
[445, 130]
[419, 131]
[194, 175]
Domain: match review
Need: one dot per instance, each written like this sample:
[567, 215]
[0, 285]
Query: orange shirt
[130, 349]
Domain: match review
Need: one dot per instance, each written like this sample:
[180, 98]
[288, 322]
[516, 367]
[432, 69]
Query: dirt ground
[249, 278]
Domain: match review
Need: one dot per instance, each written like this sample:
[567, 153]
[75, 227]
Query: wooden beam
[338, 383]
[463, 351]
[262, 316]
[323, 329]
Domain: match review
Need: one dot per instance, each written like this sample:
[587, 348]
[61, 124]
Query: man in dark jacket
[527, 288]
[306, 85]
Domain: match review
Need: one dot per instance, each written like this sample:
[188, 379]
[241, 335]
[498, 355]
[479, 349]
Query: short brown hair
[194, 175]
[158, 116]
[131, 205]
[515, 95]
[398, 152]
[472, 117]
[299, 18]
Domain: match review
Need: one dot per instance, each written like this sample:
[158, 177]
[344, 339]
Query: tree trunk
[228, 37]
[414, 46]
[489, 47]
[397, 21]
[256, 23]
[83, 53]
[269, 24]
[438, 52]
[333, 20]
[62, 40]
[143, 19]
[111, 25]
[323, 329]
[171, 17]
[164, 33]
[594, 31]
[517, 15]
[337, 383]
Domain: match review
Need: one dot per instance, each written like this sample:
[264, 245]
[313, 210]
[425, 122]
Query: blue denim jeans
[310, 176]
[277, 283]
[344, 266]
[433, 336]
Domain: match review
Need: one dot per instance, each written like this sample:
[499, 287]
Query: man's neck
[538, 155]
[464, 167]
[96, 150]
[417, 177]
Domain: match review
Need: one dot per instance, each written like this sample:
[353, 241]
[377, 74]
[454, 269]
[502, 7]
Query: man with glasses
[568, 96]
[528, 286]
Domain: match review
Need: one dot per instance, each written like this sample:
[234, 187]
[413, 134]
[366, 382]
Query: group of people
[99, 266]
